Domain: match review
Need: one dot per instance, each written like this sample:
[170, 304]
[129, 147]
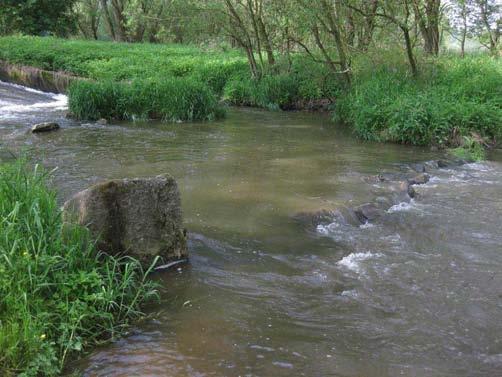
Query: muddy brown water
[417, 292]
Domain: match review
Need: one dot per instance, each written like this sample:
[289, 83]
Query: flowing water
[417, 292]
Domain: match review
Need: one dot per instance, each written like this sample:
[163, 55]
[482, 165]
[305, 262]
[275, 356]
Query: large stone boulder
[137, 217]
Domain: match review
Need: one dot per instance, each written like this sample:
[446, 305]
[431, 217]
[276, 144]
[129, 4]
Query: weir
[36, 78]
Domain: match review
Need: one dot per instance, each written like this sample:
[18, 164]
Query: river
[417, 292]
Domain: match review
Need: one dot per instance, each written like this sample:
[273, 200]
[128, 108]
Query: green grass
[452, 98]
[58, 295]
[159, 73]
[294, 86]
[144, 99]
[471, 150]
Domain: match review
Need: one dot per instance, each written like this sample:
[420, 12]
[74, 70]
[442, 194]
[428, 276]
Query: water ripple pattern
[416, 292]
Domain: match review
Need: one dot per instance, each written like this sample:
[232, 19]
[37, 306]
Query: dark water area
[417, 292]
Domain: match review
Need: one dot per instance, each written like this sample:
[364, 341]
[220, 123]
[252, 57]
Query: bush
[58, 295]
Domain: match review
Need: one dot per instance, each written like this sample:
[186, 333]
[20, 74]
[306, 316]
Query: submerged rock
[368, 212]
[45, 127]
[137, 217]
[418, 167]
[420, 179]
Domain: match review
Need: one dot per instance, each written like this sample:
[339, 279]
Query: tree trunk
[493, 34]
[428, 21]
[266, 41]
[118, 12]
[108, 19]
[369, 26]
[409, 51]
[341, 46]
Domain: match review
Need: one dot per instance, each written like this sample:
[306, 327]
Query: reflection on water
[415, 293]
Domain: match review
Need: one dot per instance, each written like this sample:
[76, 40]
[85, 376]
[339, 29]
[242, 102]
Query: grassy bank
[176, 83]
[452, 102]
[58, 296]
[172, 82]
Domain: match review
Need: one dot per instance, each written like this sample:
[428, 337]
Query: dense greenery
[176, 83]
[451, 99]
[37, 17]
[58, 296]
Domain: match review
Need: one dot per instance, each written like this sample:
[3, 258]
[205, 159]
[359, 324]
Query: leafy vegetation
[173, 100]
[58, 296]
[452, 99]
[174, 83]
[471, 150]
[37, 17]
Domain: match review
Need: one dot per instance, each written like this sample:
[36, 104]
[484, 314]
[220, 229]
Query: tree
[37, 17]
[428, 18]
[239, 30]
[326, 22]
[398, 13]
[490, 17]
[88, 17]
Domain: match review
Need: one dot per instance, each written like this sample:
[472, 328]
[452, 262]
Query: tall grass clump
[173, 100]
[451, 99]
[58, 294]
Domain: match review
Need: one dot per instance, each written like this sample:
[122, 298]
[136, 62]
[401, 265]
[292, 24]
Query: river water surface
[417, 292]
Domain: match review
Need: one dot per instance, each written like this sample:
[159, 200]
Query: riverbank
[198, 78]
[266, 295]
[453, 103]
[58, 295]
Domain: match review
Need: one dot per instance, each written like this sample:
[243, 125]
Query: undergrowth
[58, 295]
[451, 99]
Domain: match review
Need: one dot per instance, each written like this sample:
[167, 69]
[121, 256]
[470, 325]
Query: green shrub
[58, 295]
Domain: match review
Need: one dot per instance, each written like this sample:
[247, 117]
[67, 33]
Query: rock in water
[420, 179]
[137, 217]
[45, 127]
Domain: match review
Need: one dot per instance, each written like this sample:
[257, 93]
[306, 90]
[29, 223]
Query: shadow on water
[415, 293]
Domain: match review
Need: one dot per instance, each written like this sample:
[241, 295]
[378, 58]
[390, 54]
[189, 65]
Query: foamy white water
[26, 100]
[354, 261]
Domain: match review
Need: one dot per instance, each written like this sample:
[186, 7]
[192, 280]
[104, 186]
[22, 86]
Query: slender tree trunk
[255, 30]
[409, 51]
[331, 64]
[108, 19]
[493, 33]
[341, 46]
[252, 62]
[266, 41]
[241, 35]
[369, 26]
[118, 12]
[464, 30]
